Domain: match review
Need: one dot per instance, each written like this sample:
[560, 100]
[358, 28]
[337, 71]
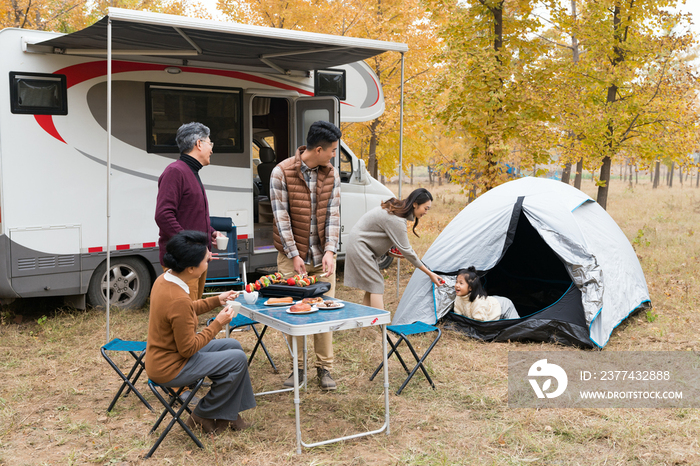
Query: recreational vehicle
[73, 199]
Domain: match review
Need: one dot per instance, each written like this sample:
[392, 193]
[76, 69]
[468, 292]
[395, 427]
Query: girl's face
[461, 286]
[421, 209]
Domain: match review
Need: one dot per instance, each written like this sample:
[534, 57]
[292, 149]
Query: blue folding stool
[403, 331]
[174, 398]
[137, 349]
[242, 321]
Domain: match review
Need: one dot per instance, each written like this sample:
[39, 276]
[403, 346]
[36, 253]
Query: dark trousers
[226, 365]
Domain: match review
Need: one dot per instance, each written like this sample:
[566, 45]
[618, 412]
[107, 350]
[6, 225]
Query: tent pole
[398, 261]
[109, 159]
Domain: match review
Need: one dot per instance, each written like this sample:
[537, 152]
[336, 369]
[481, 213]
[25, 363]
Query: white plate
[278, 304]
[310, 311]
[341, 305]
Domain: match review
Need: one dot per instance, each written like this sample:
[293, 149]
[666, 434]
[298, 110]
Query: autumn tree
[630, 92]
[387, 20]
[486, 72]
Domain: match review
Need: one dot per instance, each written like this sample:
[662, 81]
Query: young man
[305, 197]
[182, 202]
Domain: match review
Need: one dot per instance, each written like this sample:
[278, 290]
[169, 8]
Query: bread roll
[300, 307]
[285, 300]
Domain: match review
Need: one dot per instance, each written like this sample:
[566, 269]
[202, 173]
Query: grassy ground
[56, 387]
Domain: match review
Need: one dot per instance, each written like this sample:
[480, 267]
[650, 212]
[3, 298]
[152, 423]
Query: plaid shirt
[279, 198]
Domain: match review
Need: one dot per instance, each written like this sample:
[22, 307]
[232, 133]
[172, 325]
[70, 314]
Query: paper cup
[250, 298]
[235, 305]
[221, 242]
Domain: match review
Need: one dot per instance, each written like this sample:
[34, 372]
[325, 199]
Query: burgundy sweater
[181, 205]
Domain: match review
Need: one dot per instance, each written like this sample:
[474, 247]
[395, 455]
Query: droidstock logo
[543, 369]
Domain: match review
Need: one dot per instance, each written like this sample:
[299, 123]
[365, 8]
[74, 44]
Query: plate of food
[330, 305]
[286, 301]
[311, 301]
[302, 308]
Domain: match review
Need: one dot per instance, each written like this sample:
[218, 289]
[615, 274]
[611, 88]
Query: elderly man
[182, 202]
[305, 196]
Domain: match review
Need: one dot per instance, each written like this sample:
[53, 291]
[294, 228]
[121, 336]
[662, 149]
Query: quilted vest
[300, 203]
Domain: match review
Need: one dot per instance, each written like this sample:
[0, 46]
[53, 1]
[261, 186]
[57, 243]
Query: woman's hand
[228, 296]
[225, 316]
[435, 278]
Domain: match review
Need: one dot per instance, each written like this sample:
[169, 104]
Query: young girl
[473, 302]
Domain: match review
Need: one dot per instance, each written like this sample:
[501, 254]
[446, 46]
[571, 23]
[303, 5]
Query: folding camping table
[352, 316]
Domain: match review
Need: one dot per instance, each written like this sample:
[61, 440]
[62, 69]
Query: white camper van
[258, 89]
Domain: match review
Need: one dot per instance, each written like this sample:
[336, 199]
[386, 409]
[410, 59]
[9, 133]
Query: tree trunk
[636, 175]
[411, 174]
[670, 174]
[566, 173]
[697, 180]
[430, 175]
[680, 175]
[629, 169]
[611, 98]
[579, 174]
[602, 197]
[657, 173]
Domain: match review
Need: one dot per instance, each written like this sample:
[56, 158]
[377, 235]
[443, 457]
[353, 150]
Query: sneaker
[290, 380]
[325, 379]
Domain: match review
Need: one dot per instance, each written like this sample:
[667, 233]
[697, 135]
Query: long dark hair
[476, 289]
[404, 208]
[188, 248]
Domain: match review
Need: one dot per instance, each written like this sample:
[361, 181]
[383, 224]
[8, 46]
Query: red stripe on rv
[242, 237]
[97, 249]
[122, 247]
[81, 72]
[149, 245]
[46, 123]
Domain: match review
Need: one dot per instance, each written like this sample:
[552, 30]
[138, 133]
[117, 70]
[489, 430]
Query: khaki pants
[196, 286]
[323, 342]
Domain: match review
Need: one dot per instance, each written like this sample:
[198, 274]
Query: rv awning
[139, 33]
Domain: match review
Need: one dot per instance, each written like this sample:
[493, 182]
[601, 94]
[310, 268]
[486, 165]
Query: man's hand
[299, 266]
[328, 263]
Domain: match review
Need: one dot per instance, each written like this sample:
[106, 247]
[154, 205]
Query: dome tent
[563, 261]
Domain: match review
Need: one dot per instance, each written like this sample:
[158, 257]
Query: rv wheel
[385, 261]
[130, 284]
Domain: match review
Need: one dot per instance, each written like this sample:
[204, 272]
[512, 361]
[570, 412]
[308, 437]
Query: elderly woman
[374, 234]
[176, 355]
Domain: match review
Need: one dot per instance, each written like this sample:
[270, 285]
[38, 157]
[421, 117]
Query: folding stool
[403, 331]
[174, 398]
[137, 349]
[242, 321]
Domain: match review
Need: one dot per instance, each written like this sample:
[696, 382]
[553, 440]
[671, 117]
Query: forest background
[492, 87]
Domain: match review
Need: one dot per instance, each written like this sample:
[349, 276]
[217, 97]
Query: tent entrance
[529, 272]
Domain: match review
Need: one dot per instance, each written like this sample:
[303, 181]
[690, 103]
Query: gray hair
[188, 135]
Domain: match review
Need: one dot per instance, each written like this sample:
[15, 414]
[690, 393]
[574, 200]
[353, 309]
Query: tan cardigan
[172, 329]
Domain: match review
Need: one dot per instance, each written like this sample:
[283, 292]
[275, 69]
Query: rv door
[310, 109]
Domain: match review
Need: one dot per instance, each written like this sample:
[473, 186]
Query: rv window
[168, 107]
[345, 167]
[38, 94]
